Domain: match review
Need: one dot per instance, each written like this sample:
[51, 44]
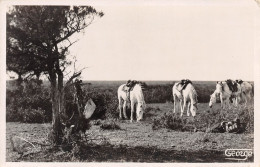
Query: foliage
[27, 99]
[38, 36]
[30, 103]
[33, 115]
[207, 121]
[38, 41]
[106, 104]
[170, 121]
[158, 93]
[109, 125]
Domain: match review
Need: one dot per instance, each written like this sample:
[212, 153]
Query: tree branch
[75, 75]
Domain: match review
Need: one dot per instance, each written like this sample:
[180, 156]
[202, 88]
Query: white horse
[189, 95]
[247, 91]
[223, 91]
[224, 100]
[136, 97]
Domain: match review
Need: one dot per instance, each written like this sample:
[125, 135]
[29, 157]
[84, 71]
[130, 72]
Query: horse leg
[120, 108]
[228, 105]
[188, 109]
[238, 101]
[180, 102]
[137, 113]
[234, 100]
[124, 110]
[174, 104]
[132, 111]
[221, 102]
[184, 105]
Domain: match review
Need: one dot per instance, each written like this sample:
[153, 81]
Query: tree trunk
[61, 94]
[56, 124]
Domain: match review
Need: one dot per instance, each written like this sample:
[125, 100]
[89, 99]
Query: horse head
[213, 99]
[140, 110]
[137, 96]
[219, 87]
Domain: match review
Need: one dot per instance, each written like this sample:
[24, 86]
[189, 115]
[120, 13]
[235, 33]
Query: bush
[33, 115]
[34, 99]
[106, 104]
[13, 115]
[110, 125]
[246, 116]
[204, 91]
[158, 93]
[170, 121]
[28, 103]
[207, 121]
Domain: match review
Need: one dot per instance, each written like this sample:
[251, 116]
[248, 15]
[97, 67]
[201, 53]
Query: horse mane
[142, 84]
[141, 92]
[232, 85]
[185, 82]
[240, 81]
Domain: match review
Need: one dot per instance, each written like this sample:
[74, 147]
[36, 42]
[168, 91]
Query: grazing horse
[213, 99]
[189, 95]
[224, 93]
[247, 91]
[136, 97]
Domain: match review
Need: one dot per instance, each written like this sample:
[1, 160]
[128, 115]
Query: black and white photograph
[130, 82]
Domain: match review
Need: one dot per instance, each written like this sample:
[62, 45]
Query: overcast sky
[206, 40]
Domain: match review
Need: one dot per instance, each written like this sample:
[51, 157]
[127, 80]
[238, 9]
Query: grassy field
[136, 142]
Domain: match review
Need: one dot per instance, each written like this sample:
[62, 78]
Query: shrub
[35, 97]
[158, 93]
[206, 121]
[106, 104]
[246, 117]
[33, 115]
[12, 114]
[170, 121]
[110, 125]
[28, 103]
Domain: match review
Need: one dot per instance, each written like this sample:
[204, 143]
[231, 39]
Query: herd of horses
[185, 94]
